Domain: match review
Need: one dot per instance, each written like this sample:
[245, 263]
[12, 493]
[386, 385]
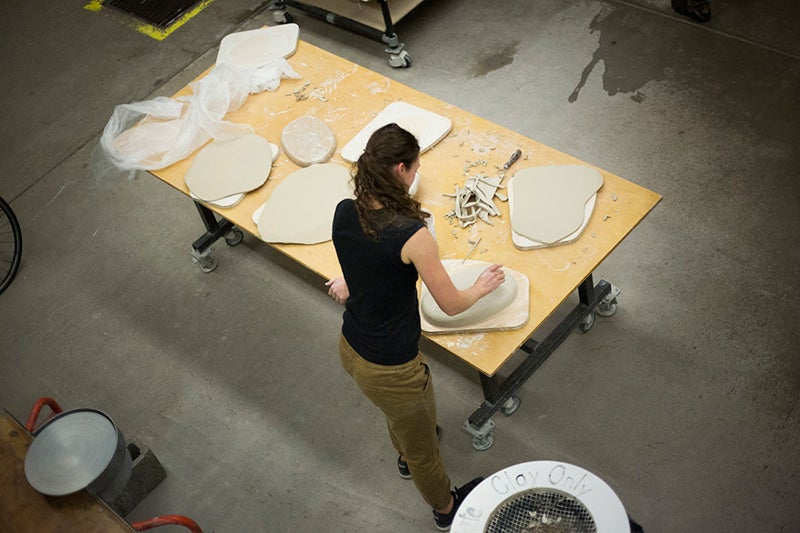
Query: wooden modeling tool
[474, 245]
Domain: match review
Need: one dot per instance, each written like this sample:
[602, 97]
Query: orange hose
[41, 402]
[166, 520]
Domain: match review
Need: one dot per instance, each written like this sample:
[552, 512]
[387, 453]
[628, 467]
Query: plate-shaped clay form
[227, 167]
[463, 277]
[255, 48]
[307, 141]
[550, 201]
[300, 209]
[428, 127]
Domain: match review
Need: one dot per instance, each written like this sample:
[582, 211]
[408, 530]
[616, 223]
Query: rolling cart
[371, 18]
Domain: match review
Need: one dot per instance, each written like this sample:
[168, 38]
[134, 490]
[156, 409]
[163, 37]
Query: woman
[382, 245]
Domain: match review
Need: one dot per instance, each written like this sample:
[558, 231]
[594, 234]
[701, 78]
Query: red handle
[167, 520]
[41, 402]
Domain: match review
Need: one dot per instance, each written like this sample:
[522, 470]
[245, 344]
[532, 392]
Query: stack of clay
[476, 200]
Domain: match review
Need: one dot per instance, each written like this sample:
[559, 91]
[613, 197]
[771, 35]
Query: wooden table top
[22, 508]
[347, 96]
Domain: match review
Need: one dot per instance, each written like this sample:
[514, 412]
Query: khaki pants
[405, 395]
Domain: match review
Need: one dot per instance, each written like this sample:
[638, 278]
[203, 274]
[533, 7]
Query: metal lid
[70, 451]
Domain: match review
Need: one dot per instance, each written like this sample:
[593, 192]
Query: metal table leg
[202, 247]
[499, 395]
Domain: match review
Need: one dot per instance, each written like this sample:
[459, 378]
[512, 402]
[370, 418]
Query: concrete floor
[685, 402]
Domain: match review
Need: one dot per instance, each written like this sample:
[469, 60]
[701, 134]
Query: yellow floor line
[159, 34]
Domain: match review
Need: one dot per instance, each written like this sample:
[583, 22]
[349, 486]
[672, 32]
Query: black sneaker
[443, 521]
[402, 466]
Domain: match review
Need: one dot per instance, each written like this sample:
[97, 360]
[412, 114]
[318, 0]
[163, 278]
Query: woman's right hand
[489, 280]
[338, 290]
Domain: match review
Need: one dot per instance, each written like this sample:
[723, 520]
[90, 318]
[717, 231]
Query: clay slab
[230, 201]
[227, 167]
[523, 243]
[300, 209]
[428, 127]
[550, 201]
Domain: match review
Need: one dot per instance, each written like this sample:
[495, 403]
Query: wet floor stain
[631, 58]
[494, 60]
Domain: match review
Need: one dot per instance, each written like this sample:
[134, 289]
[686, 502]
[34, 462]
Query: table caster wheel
[607, 309]
[608, 305]
[587, 322]
[207, 265]
[234, 237]
[401, 60]
[282, 17]
[510, 406]
[483, 443]
[482, 438]
[204, 260]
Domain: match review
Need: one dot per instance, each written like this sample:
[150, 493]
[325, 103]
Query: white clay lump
[464, 277]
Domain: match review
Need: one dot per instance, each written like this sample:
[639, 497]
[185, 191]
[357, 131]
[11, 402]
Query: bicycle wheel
[10, 245]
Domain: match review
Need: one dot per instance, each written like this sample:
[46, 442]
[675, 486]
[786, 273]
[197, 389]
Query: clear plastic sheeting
[154, 134]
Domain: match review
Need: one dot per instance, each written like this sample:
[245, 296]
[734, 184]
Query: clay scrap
[475, 200]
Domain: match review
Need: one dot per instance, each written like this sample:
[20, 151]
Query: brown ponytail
[374, 181]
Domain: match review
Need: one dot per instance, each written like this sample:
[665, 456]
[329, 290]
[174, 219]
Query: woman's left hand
[337, 289]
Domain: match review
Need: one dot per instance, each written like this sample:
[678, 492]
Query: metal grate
[541, 511]
[161, 13]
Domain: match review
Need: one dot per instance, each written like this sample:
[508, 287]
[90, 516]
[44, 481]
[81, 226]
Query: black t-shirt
[381, 317]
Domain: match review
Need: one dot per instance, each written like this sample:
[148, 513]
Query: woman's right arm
[421, 250]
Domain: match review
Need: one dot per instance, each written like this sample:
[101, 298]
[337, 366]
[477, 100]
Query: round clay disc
[308, 141]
